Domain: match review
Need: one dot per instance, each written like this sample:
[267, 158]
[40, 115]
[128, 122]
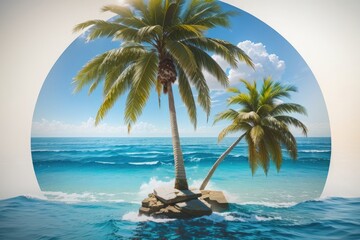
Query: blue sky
[59, 112]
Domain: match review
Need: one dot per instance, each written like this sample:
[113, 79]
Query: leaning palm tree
[161, 41]
[264, 122]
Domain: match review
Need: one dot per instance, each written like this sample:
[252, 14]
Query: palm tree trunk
[180, 175]
[220, 159]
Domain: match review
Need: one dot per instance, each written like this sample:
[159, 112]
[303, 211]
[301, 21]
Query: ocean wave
[221, 217]
[144, 163]
[80, 197]
[239, 217]
[195, 159]
[314, 151]
[145, 153]
[97, 150]
[270, 204]
[100, 162]
[135, 217]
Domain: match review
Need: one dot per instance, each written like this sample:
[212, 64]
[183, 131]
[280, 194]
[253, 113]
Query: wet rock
[171, 212]
[172, 195]
[216, 199]
[194, 207]
[173, 203]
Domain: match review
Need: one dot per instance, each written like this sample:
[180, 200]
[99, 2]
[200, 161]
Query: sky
[61, 113]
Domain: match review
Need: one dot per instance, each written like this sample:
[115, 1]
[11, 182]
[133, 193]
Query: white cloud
[266, 64]
[87, 128]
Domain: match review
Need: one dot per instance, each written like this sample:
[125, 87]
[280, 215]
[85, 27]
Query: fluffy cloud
[266, 64]
[87, 128]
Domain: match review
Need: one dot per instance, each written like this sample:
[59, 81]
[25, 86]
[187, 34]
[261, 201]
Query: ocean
[93, 188]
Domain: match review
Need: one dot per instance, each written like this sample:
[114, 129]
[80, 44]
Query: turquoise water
[127, 169]
[27, 218]
[93, 187]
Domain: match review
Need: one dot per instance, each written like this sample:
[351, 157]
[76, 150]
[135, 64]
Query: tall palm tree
[264, 122]
[161, 41]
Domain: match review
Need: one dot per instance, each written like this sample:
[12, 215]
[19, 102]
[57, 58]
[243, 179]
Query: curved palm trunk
[180, 175]
[220, 159]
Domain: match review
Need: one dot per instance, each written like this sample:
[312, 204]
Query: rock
[171, 212]
[151, 205]
[172, 195]
[145, 211]
[194, 207]
[216, 199]
[173, 203]
[146, 202]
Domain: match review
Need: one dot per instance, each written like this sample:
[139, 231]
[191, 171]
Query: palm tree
[161, 41]
[264, 122]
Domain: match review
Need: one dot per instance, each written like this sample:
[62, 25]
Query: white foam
[111, 163]
[270, 204]
[314, 151]
[144, 163]
[195, 159]
[80, 197]
[221, 217]
[135, 217]
[143, 153]
[264, 219]
[148, 187]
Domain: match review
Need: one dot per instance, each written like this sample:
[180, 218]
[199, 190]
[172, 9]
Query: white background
[34, 33]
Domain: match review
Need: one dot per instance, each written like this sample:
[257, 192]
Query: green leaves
[119, 10]
[206, 62]
[122, 83]
[99, 28]
[183, 56]
[187, 97]
[264, 121]
[229, 114]
[151, 31]
[144, 78]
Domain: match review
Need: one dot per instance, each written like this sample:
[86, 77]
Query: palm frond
[253, 162]
[139, 5]
[233, 90]
[149, 32]
[99, 28]
[204, 99]
[229, 114]
[122, 83]
[252, 117]
[156, 11]
[187, 97]
[192, 30]
[91, 71]
[274, 147]
[172, 12]
[122, 11]
[208, 63]
[242, 99]
[183, 56]
[292, 121]
[263, 156]
[257, 134]
[216, 46]
[208, 13]
[229, 129]
[144, 78]
[288, 108]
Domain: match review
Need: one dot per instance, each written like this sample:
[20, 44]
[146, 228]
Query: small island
[174, 203]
